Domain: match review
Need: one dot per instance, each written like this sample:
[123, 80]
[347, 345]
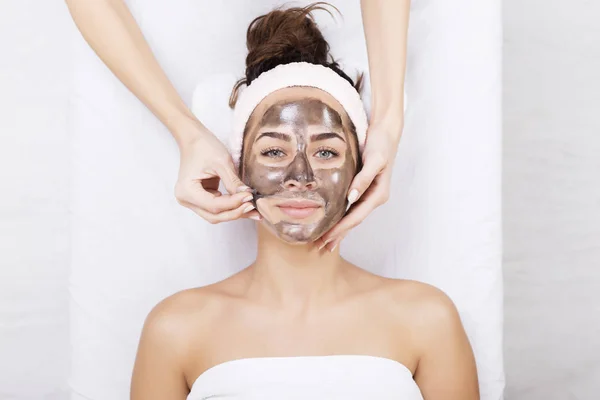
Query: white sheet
[132, 244]
[34, 231]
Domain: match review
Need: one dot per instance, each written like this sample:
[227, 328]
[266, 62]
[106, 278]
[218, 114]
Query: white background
[34, 231]
[551, 199]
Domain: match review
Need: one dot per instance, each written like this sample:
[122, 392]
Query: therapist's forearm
[111, 30]
[386, 29]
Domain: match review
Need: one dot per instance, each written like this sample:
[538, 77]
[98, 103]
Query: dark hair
[284, 36]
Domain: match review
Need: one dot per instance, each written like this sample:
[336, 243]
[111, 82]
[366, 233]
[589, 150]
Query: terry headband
[296, 74]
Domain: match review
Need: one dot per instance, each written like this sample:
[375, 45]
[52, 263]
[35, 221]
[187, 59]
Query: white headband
[296, 74]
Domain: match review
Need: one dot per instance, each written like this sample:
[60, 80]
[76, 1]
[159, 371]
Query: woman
[301, 322]
[110, 29]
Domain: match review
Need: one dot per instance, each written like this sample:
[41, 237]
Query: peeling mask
[300, 156]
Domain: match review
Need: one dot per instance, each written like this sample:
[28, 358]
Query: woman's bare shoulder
[407, 289]
[428, 304]
[426, 311]
[187, 312]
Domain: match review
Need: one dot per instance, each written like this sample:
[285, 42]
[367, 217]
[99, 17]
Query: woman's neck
[297, 276]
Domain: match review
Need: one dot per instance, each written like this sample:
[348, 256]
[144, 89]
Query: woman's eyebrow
[275, 135]
[325, 136]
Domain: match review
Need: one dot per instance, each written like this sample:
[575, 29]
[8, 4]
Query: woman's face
[300, 155]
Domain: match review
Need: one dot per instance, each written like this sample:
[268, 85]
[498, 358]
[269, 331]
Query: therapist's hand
[205, 162]
[371, 186]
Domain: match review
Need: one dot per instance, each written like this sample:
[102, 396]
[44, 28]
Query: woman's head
[300, 154]
[300, 147]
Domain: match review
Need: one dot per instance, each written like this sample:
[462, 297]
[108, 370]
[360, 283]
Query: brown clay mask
[300, 156]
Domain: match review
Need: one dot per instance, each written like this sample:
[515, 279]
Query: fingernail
[334, 246]
[249, 208]
[248, 198]
[256, 217]
[353, 196]
[242, 189]
[325, 243]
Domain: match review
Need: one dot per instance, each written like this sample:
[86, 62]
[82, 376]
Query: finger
[208, 217]
[244, 211]
[216, 204]
[364, 178]
[331, 246]
[215, 193]
[230, 179]
[254, 215]
[232, 215]
[375, 195]
[320, 243]
[356, 215]
[325, 241]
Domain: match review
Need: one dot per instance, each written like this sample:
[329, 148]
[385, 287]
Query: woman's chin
[293, 242]
[298, 234]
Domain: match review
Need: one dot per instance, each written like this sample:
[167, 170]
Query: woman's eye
[326, 154]
[273, 153]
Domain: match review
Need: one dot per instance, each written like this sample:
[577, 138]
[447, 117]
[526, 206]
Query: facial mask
[300, 158]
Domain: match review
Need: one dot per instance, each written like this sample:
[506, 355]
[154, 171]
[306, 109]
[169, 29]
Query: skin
[298, 300]
[112, 32]
[300, 145]
[385, 24]
[260, 314]
[181, 338]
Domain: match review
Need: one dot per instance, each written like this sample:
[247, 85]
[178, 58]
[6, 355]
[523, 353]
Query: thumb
[363, 180]
[230, 179]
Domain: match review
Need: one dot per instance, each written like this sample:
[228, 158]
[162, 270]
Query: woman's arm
[111, 30]
[386, 26]
[158, 372]
[446, 369]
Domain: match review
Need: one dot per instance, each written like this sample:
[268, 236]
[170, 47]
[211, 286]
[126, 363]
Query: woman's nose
[299, 185]
[299, 175]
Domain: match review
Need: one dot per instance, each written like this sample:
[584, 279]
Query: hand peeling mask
[300, 154]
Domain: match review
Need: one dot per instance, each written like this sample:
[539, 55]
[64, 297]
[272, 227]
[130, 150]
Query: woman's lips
[299, 208]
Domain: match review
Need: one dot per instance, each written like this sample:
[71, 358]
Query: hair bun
[284, 36]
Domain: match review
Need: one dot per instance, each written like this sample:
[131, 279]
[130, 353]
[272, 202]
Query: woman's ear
[210, 104]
